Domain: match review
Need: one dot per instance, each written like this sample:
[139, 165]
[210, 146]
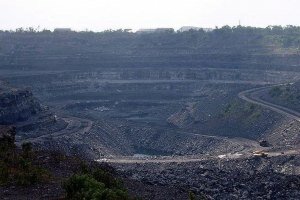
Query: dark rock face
[7, 134]
[16, 104]
[264, 143]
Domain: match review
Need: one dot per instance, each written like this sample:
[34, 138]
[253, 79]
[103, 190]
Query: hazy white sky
[112, 14]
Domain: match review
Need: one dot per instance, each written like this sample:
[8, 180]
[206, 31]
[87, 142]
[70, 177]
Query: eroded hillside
[16, 104]
[213, 113]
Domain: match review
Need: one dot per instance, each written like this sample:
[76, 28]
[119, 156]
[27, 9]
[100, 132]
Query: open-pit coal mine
[192, 115]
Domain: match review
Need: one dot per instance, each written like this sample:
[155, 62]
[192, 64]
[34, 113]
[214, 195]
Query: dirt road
[252, 97]
[249, 96]
[74, 126]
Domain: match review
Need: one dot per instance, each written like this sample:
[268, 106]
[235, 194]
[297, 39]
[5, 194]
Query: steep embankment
[287, 95]
[283, 99]
[16, 104]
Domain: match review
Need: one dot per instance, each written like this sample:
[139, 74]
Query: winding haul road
[81, 126]
[75, 125]
[251, 96]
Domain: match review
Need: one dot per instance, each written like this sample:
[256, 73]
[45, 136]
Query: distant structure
[62, 30]
[189, 28]
[161, 30]
[145, 30]
[155, 30]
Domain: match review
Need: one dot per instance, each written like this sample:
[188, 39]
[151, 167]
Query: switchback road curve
[252, 97]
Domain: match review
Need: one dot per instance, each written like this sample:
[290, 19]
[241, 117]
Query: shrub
[4, 174]
[94, 185]
[106, 178]
[17, 167]
[82, 187]
[275, 91]
[26, 150]
[31, 175]
[192, 196]
[85, 187]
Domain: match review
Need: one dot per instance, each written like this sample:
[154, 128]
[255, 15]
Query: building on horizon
[194, 28]
[155, 30]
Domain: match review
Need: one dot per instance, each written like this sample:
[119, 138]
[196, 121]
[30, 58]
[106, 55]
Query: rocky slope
[32, 174]
[254, 178]
[285, 95]
[16, 104]
[7, 134]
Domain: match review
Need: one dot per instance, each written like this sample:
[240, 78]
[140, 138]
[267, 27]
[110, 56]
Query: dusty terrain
[166, 111]
[102, 114]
